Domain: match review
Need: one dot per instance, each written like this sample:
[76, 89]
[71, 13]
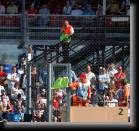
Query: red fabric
[55, 104]
[32, 11]
[2, 74]
[118, 83]
[67, 30]
[83, 76]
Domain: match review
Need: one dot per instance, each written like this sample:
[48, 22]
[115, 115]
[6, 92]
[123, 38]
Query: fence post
[29, 100]
[49, 96]
[68, 91]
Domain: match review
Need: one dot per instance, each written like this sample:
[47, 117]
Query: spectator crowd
[108, 88]
[66, 7]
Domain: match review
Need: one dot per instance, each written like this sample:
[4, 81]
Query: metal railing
[47, 27]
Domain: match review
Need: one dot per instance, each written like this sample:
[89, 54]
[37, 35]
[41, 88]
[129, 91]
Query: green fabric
[60, 82]
[64, 38]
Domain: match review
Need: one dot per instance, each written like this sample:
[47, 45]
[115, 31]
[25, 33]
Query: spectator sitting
[43, 20]
[2, 8]
[12, 8]
[112, 102]
[99, 10]
[89, 11]
[77, 10]
[31, 10]
[123, 8]
[113, 8]
[67, 8]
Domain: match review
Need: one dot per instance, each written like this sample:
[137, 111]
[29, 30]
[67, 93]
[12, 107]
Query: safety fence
[47, 27]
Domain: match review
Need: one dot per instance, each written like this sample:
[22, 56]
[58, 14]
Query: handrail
[64, 15]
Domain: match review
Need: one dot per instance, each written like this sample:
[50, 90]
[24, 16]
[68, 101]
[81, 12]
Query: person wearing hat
[82, 88]
[118, 77]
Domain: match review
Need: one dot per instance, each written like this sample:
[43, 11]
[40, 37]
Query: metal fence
[43, 27]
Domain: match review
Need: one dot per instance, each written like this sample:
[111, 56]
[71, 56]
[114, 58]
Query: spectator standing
[82, 88]
[15, 91]
[2, 8]
[12, 78]
[104, 81]
[89, 11]
[118, 77]
[43, 78]
[43, 20]
[67, 8]
[12, 8]
[66, 32]
[112, 71]
[90, 76]
[5, 101]
[77, 10]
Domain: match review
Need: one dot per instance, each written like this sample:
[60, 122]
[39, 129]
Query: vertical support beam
[104, 7]
[23, 6]
[68, 92]
[29, 100]
[28, 88]
[25, 37]
[49, 99]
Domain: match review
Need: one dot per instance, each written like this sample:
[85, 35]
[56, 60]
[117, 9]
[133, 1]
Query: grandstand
[98, 41]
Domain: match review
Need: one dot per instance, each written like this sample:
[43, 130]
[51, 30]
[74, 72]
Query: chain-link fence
[98, 41]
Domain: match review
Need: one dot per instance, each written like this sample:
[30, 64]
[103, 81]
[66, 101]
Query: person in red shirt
[31, 10]
[66, 32]
[2, 76]
[119, 77]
